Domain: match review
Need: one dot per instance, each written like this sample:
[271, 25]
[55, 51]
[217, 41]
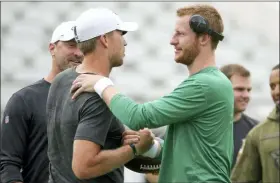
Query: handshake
[144, 141]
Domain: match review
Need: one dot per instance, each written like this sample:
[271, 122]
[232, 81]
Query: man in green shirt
[199, 141]
[259, 159]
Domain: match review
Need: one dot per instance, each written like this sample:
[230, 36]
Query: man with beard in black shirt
[24, 130]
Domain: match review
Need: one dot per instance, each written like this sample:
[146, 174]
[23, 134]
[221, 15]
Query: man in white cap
[85, 138]
[198, 112]
[23, 150]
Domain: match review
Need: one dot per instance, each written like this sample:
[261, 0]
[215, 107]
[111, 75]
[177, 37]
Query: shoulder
[91, 102]
[257, 131]
[62, 83]
[212, 78]
[214, 84]
[21, 100]
[64, 75]
[92, 107]
[250, 120]
[30, 90]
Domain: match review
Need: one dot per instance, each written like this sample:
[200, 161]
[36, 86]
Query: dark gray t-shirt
[85, 118]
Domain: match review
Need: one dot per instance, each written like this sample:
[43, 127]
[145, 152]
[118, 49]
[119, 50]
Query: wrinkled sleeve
[94, 121]
[185, 102]
[14, 132]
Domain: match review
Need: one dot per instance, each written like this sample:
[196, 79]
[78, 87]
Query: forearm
[170, 109]
[180, 105]
[135, 123]
[108, 94]
[107, 160]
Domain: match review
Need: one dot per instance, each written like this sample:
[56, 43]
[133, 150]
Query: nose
[246, 94]
[124, 41]
[78, 53]
[173, 41]
[277, 90]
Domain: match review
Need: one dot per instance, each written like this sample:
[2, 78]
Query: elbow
[81, 171]
[137, 125]
[134, 123]
[79, 174]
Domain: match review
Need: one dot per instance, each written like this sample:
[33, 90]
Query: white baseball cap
[98, 21]
[63, 32]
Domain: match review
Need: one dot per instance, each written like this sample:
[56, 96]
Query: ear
[204, 39]
[104, 40]
[51, 48]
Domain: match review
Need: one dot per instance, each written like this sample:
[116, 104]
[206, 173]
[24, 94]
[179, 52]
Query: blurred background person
[259, 159]
[24, 143]
[240, 78]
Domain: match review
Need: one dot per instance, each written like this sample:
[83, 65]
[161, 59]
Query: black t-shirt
[85, 118]
[240, 131]
[24, 136]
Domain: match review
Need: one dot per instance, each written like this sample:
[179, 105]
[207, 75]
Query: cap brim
[128, 26]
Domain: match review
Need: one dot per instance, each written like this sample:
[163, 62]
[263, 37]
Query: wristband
[133, 149]
[101, 85]
[153, 151]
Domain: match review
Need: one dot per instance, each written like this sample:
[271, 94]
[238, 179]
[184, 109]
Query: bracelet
[101, 85]
[133, 149]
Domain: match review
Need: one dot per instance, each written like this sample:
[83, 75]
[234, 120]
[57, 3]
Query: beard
[189, 54]
[69, 62]
[116, 61]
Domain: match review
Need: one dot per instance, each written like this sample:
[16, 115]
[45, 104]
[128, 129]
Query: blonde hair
[87, 46]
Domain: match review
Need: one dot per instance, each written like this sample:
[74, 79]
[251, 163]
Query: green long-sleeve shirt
[259, 160]
[199, 141]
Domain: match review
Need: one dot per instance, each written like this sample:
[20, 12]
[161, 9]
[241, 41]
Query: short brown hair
[232, 69]
[87, 46]
[275, 67]
[210, 14]
[90, 45]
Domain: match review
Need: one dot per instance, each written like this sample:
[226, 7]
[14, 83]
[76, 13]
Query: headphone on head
[200, 25]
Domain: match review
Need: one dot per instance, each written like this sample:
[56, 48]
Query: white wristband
[101, 85]
[153, 151]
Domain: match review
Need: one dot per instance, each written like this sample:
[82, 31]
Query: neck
[97, 64]
[54, 71]
[237, 116]
[202, 61]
